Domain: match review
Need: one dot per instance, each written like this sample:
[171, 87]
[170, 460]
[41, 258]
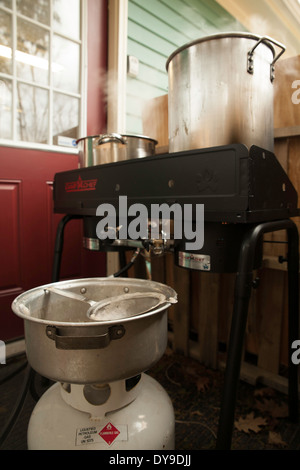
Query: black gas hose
[18, 406]
[128, 266]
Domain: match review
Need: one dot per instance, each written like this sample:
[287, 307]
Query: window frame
[81, 95]
[117, 65]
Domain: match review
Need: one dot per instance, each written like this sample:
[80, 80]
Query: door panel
[10, 234]
[10, 251]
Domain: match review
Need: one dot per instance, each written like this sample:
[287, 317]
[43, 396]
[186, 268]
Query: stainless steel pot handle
[250, 63]
[67, 342]
[106, 138]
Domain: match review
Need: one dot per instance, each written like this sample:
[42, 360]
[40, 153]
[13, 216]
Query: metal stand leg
[59, 242]
[242, 295]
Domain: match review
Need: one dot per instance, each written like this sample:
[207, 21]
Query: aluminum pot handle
[67, 342]
[250, 66]
[106, 138]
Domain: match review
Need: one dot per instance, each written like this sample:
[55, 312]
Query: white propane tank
[141, 419]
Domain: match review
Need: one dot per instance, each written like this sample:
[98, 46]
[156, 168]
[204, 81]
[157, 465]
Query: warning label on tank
[101, 434]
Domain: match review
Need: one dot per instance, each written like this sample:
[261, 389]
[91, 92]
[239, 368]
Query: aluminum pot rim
[136, 136]
[233, 34]
[17, 304]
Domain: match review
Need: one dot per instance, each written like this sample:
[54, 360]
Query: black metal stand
[243, 285]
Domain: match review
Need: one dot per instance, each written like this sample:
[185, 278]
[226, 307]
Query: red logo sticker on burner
[109, 433]
[80, 185]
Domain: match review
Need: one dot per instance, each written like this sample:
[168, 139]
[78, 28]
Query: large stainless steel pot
[221, 92]
[110, 148]
[95, 330]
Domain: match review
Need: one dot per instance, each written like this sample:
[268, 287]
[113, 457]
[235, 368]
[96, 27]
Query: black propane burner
[245, 192]
[235, 184]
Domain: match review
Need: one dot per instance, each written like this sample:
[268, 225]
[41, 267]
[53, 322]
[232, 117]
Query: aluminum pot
[95, 330]
[110, 148]
[221, 92]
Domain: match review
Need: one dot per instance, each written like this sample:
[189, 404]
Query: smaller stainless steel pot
[110, 148]
[95, 330]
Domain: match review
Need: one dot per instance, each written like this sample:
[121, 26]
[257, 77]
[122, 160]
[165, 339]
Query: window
[41, 80]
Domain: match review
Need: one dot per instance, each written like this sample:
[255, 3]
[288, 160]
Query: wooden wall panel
[286, 111]
[270, 309]
[294, 166]
[206, 290]
[155, 120]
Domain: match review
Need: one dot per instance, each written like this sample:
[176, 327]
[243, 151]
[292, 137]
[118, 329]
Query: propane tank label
[101, 434]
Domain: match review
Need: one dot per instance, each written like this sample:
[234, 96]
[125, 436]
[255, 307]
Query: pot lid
[125, 136]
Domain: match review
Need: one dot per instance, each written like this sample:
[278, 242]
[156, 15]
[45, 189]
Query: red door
[27, 222]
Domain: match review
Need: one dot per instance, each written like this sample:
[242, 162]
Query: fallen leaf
[169, 352]
[250, 423]
[200, 376]
[275, 439]
[197, 413]
[264, 392]
[195, 370]
[272, 408]
[202, 384]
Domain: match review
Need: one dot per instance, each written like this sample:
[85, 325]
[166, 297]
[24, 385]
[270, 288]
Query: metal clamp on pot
[266, 40]
[106, 138]
[63, 339]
